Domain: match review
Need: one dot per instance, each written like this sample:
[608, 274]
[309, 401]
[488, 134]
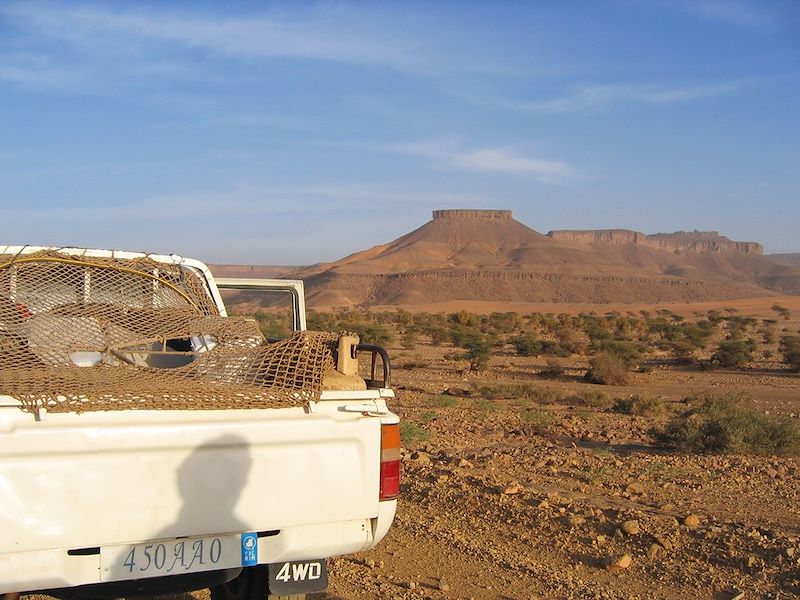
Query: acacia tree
[790, 349]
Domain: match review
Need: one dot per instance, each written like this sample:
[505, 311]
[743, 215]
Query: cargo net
[81, 333]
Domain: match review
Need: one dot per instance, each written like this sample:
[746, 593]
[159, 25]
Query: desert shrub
[428, 416]
[571, 340]
[373, 333]
[697, 334]
[409, 340]
[739, 326]
[596, 328]
[790, 350]
[519, 391]
[640, 405]
[730, 424]
[782, 311]
[506, 322]
[591, 398]
[540, 419]
[553, 369]
[438, 333]
[683, 352]
[608, 369]
[442, 401]
[769, 331]
[321, 321]
[411, 433]
[464, 334]
[479, 351]
[628, 352]
[274, 324]
[526, 344]
[484, 404]
[734, 353]
[464, 319]
[413, 364]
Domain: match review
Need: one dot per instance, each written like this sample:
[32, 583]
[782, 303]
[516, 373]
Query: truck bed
[72, 483]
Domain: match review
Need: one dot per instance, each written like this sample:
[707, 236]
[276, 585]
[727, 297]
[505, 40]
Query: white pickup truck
[147, 499]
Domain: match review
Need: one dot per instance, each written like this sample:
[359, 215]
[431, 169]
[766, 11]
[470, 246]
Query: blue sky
[293, 133]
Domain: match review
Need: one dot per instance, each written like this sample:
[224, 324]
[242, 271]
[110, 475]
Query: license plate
[298, 577]
[177, 556]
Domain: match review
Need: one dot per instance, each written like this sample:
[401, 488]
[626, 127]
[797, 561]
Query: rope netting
[80, 333]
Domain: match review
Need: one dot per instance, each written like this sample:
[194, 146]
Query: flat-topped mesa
[467, 213]
[679, 241]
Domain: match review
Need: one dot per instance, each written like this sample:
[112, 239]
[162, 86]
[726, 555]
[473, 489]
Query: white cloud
[491, 160]
[27, 69]
[735, 12]
[592, 98]
[321, 35]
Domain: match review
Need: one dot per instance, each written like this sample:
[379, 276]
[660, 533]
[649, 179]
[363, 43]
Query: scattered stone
[630, 527]
[421, 458]
[575, 520]
[442, 585]
[513, 488]
[751, 561]
[654, 551]
[635, 488]
[663, 542]
[616, 563]
[464, 463]
[790, 552]
[691, 521]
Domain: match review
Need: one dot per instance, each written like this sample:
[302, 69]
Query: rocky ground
[510, 499]
[517, 498]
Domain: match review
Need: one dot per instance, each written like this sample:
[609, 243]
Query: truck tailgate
[100, 478]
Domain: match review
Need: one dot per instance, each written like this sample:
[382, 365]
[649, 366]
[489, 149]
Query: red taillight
[390, 462]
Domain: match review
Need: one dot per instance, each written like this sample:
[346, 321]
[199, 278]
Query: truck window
[272, 309]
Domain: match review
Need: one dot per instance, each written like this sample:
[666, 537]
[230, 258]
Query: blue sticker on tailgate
[249, 549]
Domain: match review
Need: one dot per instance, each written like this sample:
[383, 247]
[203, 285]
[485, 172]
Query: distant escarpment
[679, 241]
[488, 255]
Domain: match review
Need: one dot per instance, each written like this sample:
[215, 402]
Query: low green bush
[519, 391]
[730, 424]
[734, 353]
[411, 433]
[607, 368]
[442, 401]
[541, 419]
[591, 398]
[647, 406]
[790, 350]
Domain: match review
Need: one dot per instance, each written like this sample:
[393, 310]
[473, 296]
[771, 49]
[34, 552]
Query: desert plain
[522, 481]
